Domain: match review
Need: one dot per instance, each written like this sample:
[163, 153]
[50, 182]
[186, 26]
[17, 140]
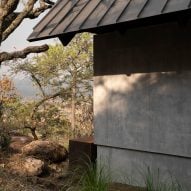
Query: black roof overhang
[182, 17]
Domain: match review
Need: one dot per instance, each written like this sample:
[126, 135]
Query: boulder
[18, 142]
[26, 166]
[33, 167]
[59, 170]
[46, 151]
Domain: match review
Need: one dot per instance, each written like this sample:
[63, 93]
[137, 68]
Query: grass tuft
[154, 182]
[95, 179]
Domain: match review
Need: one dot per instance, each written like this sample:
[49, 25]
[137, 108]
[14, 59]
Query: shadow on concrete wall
[147, 113]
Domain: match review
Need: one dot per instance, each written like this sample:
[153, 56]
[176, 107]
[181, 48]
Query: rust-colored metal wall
[82, 151]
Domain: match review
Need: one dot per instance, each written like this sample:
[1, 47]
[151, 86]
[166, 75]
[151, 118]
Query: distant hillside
[23, 84]
[25, 88]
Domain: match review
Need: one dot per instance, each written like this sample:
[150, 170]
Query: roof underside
[68, 17]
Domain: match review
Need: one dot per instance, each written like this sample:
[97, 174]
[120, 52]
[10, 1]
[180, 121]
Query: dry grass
[64, 180]
[9, 181]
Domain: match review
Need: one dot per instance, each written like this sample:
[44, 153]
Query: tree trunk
[1, 109]
[73, 109]
[33, 131]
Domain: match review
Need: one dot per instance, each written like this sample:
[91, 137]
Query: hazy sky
[17, 41]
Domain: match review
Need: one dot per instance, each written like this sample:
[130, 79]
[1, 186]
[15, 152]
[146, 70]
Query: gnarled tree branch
[11, 20]
[28, 12]
[10, 6]
[23, 53]
[38, 104]
[36, 12]
[37, 81]
[33, 131]
[27, 9]
[44, 100]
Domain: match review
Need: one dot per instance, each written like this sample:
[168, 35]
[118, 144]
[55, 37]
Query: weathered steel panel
[82, 151]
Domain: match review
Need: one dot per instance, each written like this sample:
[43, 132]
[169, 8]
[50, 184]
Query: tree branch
[36, 12]
[8, 20]
[31, 15]
[33, 131]
[28, 12]
[28, 8]
[3, 3]
[37, 81]
[23, 53]
[10, 7]
[44, 100]
[38, 104]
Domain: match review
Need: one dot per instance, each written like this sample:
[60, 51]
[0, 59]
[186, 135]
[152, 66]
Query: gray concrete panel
[148, 112]
[131, 167]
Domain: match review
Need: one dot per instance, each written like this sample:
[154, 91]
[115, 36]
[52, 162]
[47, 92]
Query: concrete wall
[131, 167]
[142, 99]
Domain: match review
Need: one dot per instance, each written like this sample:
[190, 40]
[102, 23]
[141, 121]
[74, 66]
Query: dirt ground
[9, 181]
[52, 182]
[122, 187]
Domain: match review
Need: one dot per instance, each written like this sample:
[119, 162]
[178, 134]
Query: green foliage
[63, 75]
[51, 121]
[8, 94]
[56, 68]
[16, 115]
[88, 178]
[9, 98]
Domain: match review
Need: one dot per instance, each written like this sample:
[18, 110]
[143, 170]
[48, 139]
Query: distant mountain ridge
[25, 88]
[22, 83]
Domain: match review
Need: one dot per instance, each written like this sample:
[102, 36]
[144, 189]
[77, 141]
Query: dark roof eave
[179, 16]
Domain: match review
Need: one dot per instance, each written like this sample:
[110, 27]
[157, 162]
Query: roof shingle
[72, 16]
